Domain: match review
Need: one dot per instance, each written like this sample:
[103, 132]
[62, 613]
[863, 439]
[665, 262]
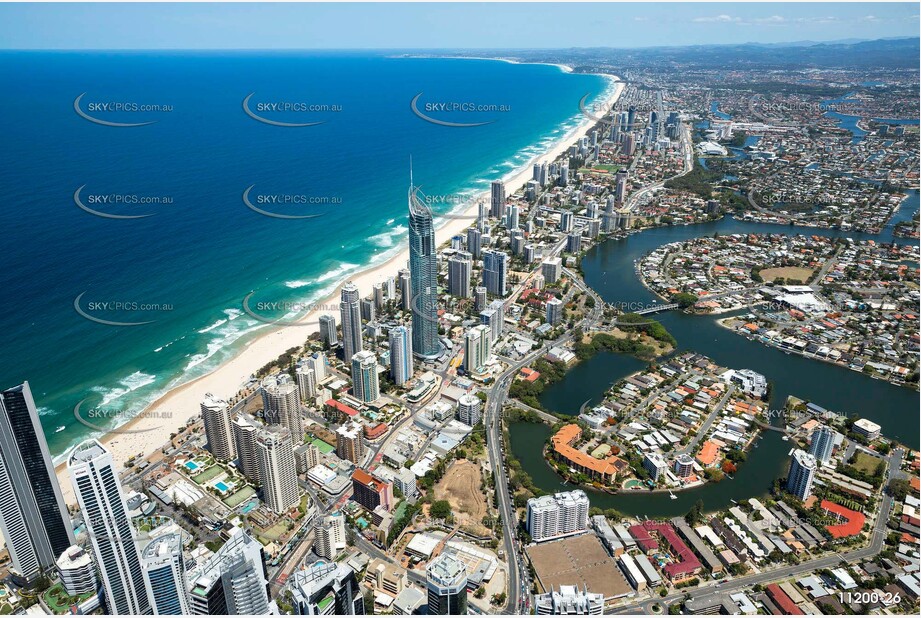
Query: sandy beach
[151, 429]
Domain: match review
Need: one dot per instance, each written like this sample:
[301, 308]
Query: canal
[609, 269]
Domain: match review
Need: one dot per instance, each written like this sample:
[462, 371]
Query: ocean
[74, 276]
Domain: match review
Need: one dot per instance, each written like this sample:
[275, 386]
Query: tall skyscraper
[480, 298]
[216, 416]
[326, 589]
[511, 217]
[98, 492]
[350, 313]
[233, 581]
[33, 517]
[620, 186]
[475, 242]
[552, 269]
[406, 290]
[317, 361]
[446, 582]
[554, 311]
[365, 385]
[281, 403]
[459, 268]
[401, 355]
[822, 443]
[494, 317]
[497, 200]
[245, 428]
[495, 271]
[277, 468]
[328, 334]
[306, 382]
[164, 575]
[330, 536]
[801, 475]
[477, 347]
[423, 271]
[349, 444]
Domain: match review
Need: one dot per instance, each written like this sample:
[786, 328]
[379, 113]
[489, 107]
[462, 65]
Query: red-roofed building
[648, 536]
[783, 601]
[373, 433]
[851, 522]
[339, 412]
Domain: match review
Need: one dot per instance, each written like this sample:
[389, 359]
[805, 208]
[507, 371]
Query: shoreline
[147, 432]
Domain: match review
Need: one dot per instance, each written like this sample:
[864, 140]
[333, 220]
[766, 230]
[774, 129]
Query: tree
[696, 514]
[440, 509]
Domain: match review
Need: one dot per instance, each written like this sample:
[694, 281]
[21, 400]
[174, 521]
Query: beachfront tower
[216, 416]
[423, 273]
[33, 517]
[277, 468]
[98, 491]
[350, 312]
[365, 382]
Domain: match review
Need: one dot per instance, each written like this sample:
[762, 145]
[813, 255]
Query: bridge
[657, 309]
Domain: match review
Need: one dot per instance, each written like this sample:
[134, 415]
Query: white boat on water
[60, 429]
[671, 495]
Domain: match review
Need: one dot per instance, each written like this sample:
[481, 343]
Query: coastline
[147, 431]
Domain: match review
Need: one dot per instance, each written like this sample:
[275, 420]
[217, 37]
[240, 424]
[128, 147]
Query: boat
[60, 429]
[785, 438]
[671, 495]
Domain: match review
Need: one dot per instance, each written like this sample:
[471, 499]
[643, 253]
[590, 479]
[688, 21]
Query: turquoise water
[203, 251]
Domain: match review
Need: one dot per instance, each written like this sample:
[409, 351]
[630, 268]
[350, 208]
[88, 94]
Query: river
[609, 269]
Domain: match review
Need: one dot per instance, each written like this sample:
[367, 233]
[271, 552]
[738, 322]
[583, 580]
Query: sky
[442, 25]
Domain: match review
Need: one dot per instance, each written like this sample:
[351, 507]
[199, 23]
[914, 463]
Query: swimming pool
[222, 486]
[249, 506]
[191, 466]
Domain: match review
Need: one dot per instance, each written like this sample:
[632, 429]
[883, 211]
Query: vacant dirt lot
[787, 272]
[460, 486]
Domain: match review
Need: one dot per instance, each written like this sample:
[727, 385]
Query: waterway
[609, 269]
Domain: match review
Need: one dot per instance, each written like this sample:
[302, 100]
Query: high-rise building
[281, 403]
[406, 292]
[459, 269]
[371, 492]
[33, 517]
[368, 310]
[326, 589]
[233, 581]
[497, 200]
[494, 317]
[105, 514]
[552, 269]
[164, 575]
[401, 355]
[317, 361]
[245, 428]
[557, 515]
[480, 298]
[216, 416]
[468, 409]
[554, 311]
[446, 582]
[511, 217]
[567, 220]
[495, 271]
[620, 186]
[349, 444]
[328, 334]
[350, 314]
[569, 600]
[574, 242]
[306, 382]
[477, 347]
[822, 443]
[365, 385]
[330, 536]
[423, 271]
[77, 572]
[277, 468]
[475, 242]
[801, 475]
[377, 295]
